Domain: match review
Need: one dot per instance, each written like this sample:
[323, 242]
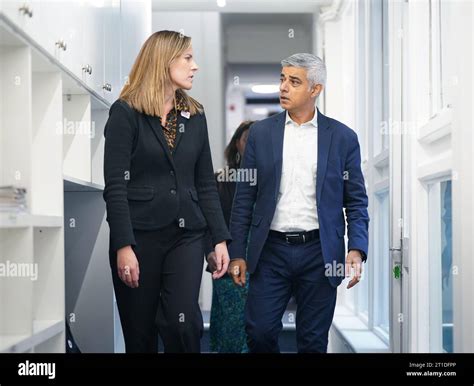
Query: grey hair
[316, 69]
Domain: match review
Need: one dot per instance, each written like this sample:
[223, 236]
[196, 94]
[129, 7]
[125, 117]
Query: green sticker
[396, 272]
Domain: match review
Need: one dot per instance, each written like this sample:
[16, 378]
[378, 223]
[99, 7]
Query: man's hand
[354, 260]
[237, 270]
[221, 262]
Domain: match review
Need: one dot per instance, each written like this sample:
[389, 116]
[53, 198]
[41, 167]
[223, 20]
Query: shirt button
[173, 191]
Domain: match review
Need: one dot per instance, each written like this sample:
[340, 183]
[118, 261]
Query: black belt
[296, 237]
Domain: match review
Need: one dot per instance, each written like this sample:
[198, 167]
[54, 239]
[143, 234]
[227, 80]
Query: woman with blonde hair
[161, 196]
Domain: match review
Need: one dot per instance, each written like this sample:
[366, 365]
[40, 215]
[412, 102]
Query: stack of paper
[12, 199]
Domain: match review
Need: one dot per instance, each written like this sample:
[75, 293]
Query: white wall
[235, 105]
[134, 29]
[339, 48]
[263, 43]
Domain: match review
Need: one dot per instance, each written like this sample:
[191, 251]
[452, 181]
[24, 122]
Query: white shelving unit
[32, 243]
[52, 116]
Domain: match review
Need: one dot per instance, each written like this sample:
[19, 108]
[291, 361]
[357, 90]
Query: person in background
[161, 197]
[227, 325]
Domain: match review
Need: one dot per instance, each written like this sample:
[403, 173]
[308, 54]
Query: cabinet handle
[61, 44]
[26, 10]
[107, 87]
[87, 68]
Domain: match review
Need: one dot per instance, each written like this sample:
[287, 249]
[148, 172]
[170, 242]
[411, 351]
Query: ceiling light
[266, 88]
[260, 111]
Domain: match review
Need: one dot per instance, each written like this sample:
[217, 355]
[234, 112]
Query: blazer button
[171, 173]
[173, 191]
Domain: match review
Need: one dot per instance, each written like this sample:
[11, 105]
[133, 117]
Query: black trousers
[166, 301]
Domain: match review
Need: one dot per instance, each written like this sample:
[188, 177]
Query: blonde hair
[150, 74]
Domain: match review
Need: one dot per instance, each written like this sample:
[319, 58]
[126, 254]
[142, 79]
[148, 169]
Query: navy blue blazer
[339, 185]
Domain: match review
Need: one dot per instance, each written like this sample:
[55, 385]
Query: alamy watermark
[67, 127]
[237, 175]
[342, 270]
[11, 269]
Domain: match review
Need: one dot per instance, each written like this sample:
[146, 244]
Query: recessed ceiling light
[221, 3]
[266, 88]
[260, 111]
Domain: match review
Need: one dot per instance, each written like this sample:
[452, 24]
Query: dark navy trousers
[286, 270]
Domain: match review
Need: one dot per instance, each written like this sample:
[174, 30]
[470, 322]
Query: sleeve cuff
[363, 254]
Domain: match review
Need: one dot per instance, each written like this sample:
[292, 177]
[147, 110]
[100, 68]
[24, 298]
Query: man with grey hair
[288, 229]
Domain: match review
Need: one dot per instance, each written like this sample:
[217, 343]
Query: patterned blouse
[170, 129]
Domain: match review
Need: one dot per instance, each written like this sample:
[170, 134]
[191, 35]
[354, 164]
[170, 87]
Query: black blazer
[226, 190]
[147, 187]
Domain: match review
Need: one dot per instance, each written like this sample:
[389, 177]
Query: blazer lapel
[324, 144]
[155, 124]
[277, 134]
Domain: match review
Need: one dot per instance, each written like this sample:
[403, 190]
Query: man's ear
[316, 90]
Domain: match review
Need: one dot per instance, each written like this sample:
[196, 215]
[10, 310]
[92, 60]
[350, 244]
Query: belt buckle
[287, 236]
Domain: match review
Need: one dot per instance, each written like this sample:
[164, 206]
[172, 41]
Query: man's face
[295, 90]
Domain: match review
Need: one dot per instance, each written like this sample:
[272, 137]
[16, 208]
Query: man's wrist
[363, 256]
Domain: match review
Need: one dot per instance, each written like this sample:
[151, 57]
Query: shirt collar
[313, 121]
[180, 102]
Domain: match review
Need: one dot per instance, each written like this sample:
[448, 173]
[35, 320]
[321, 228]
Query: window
[381, 250]
[441, 268]
[380, 75]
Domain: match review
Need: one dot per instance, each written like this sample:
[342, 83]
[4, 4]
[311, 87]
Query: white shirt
[296, 204]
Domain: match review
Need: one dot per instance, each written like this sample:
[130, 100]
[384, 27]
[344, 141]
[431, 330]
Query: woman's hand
[127, 266]
[221, 260]
[212, 261]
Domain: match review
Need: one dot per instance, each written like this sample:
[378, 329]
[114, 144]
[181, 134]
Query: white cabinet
[112, 81]
[62, 35]
[97, 41]
[24, 14]
[92, 48]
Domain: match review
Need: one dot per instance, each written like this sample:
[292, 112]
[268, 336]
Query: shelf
[47, 151]
[48, 250]
[25, 220]
[99, 117]
[77, 129]
[72, 184]
[42, 331]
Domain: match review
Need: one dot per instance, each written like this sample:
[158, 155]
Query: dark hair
[231, 152]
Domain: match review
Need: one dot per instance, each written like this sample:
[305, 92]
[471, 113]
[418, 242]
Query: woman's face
[242, 142]
[182, 70]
